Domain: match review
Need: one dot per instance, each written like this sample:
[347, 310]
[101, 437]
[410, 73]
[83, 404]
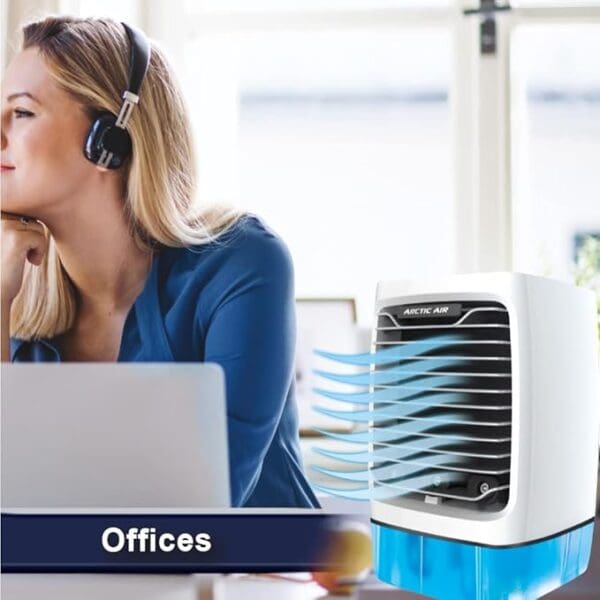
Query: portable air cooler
[508, 511]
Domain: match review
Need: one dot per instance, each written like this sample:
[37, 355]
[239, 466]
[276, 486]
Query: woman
[120, 264]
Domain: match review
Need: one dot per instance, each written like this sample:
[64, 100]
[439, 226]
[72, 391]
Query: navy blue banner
[159, 543]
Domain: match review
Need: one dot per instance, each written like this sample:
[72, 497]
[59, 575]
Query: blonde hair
[89, 59]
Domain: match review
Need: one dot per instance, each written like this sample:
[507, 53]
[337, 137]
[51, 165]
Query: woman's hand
[23, 238]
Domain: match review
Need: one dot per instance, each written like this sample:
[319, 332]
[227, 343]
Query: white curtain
[156, 17]
[14, 14]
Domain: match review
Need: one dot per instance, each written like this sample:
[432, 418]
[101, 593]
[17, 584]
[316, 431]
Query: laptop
[113, 435]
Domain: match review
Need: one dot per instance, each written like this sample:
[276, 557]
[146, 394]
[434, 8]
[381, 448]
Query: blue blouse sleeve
[251, 333]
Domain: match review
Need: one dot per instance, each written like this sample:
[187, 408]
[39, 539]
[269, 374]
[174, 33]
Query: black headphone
[108, 143]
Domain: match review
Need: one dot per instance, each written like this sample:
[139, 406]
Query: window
[342, 142]
[557, 145]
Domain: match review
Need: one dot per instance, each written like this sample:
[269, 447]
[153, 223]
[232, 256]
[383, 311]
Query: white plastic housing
[555, 409]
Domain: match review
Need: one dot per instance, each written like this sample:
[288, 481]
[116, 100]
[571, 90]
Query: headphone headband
[139, 60]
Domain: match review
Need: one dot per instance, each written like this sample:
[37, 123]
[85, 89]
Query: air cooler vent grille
[452, 444]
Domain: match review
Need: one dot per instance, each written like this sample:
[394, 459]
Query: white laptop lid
[86, 435]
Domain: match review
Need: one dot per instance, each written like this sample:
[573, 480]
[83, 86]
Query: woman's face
[43, 132]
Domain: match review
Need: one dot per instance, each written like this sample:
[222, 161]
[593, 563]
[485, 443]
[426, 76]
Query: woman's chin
[18, 207]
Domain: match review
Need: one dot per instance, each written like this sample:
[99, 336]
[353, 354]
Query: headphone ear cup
[104, 135]
[93, 147]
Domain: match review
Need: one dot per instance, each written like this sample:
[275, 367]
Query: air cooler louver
[464, 426]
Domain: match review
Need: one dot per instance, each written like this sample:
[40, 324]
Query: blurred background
[348, 125]
[386, 139]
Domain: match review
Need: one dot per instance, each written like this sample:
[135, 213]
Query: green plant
[587, 268]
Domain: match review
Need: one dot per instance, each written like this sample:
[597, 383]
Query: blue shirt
[229, 302]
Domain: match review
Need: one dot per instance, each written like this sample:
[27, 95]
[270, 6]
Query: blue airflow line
[395, 353]
[391, 375]
[404, 382]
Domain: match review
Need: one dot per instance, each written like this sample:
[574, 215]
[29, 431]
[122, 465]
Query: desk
[221, 587]
[176, 587]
